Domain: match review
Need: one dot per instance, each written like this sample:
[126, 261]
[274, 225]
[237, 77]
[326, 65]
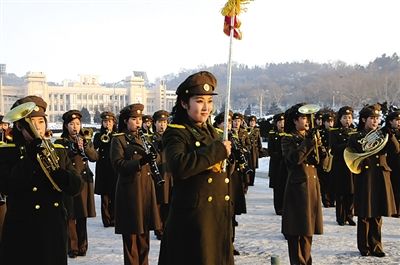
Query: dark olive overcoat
[81, 205]
[343, 179]
[255, 147]
[302, 210]
[106, 178]
[394, 163]
[35, 226]
[136, 209]
[373, 195]
[198, 229]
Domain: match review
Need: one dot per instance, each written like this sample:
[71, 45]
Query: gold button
[197, 143]
[34, 189]
[377, 156]
[312, 166]
[377, 165]
[37, 206]
[226, 180]
[210, 180]
[306, 165]
[56, 204]
[366, 166]
[227, 197]
[315, 177]
[209, 199]
[21, 157]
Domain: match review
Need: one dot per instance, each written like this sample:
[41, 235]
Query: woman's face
[133, 123]
[108, 124]
[346, 120]
[395, 124]
[39, 123]
[74, 126]
[199, 108]
[371, 123]
[301, 123]
[161, 125]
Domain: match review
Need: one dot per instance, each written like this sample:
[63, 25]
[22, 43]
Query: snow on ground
[258, 236]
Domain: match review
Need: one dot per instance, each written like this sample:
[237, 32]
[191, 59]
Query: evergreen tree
[85, 115]
[96, 117]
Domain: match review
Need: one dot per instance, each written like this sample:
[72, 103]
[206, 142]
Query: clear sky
[65, 38]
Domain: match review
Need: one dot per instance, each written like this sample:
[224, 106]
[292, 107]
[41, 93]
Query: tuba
[47, 158]
[312, 109]
[371, 144]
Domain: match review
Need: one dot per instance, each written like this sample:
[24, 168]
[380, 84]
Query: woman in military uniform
[198, 229]
[163, 191]
[82, 206]
[373, 197]
[256, 150]
[343, 179]
[302, 211]
[106, 178]
[136, 211]
[35, 228]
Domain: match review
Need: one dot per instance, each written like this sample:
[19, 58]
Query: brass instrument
[312, 109]
[87, 133]
[47, 158]
[155, 172]
[371, 144]
[105, 138]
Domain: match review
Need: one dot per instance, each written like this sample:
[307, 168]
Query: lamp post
[2, 71]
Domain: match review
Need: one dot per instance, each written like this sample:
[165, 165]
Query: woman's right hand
[228, 146]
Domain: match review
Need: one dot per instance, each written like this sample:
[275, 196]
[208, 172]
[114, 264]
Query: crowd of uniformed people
[177, 174]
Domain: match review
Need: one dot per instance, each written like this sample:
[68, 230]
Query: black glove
[147, 158]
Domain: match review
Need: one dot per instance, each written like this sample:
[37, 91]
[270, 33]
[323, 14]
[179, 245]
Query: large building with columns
[88, 93]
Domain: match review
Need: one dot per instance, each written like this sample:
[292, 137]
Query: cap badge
[138, 111]
[162, 116]
[376, 111]
[197, 143]
[347, 111]
[206, 87]
[36, 108]
[73, 116]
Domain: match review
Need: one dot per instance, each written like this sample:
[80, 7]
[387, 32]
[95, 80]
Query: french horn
[311, 109]
[371, 144]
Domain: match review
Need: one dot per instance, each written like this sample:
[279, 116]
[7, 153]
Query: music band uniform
[198, 230]
[35, 227]
[302, 210]
[373, 197]
[81, 206]
[136, 211]
[106, 178]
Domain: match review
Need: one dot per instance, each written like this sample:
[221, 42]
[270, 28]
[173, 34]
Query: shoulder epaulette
[350, 133]
[282, 134]
[3, 144]
[178, 126]
[333, 129]
[271, 132]
[287, 134]
[58, 146]
[117, 134]
[219, 130]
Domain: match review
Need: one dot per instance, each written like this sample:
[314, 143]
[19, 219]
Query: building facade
[90, 94]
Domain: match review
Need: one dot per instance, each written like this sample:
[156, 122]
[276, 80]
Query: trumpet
[105, 138]
[312, 109]
[87, 133]
[155, 172]
[46, 157]
[241, 156]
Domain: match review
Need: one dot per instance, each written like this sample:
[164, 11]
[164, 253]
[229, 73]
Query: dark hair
[114, 128]
[65, 132]
[179, 114]
[122, 127]
[18, 137]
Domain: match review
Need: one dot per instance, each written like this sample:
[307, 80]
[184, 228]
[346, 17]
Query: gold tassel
[234, 7]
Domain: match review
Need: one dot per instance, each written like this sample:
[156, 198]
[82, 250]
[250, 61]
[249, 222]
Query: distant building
[88, 93]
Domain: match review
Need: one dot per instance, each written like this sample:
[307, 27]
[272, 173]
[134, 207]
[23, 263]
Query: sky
[113, 38]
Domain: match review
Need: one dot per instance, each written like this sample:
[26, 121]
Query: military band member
[325, 177]
[136, 211]
[256, 150]
[302, 212]
[106, 178]
[244, 142]
[5, 137]
[198, 229]
[147, 126]
[373, 195]
[277, 168]
[392, 125]
[82, 206]
[163, 192]
[35, 227]
[342, 177]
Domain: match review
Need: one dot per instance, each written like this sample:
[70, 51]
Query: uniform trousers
[369, 235]
[77, 236]
[107, 210]
[344, 207]
[136, 248]
[299, 249]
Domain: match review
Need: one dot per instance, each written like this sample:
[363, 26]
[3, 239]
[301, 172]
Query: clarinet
[238, 149]
[155, 172]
